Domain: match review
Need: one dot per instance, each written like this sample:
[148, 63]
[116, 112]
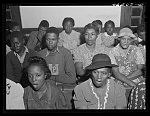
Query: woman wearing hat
[100, 91]
[129, 59]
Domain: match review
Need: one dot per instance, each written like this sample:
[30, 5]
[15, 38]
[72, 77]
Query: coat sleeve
[79, 99]
[9, 69]
[121, 101]
[61, 101]
[70, 75]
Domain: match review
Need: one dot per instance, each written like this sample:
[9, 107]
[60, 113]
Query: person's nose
[99, 75]
[34, 78]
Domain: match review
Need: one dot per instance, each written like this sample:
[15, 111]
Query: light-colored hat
[126, 32]
[100, 61]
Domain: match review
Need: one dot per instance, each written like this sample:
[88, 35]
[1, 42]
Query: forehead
[16, 39]
[51, 35]
[35, 68]
[90, 30]
[109, 25]
[68, 23]
[126, 37]
[43, 28]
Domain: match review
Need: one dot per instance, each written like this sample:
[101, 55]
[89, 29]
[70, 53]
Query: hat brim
[99, 65]
[127, 34]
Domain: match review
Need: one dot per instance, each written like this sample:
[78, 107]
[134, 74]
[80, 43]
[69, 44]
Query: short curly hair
[67, 19]
[44, 23]
[91, 26]
[109, 22]
[95, 22]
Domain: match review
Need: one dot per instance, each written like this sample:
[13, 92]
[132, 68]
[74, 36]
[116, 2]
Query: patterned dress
[127, 61]
[108, 41]
[137, 97]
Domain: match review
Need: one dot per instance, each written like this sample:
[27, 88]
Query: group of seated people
[56, 70]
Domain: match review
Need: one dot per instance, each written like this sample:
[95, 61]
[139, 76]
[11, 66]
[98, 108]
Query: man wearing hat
[129, 58]
[100, 91]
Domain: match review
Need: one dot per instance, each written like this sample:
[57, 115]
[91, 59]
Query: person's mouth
[99, 81]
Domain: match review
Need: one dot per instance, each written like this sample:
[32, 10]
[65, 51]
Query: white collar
[114, 34]
[26, 50]
[48, 52]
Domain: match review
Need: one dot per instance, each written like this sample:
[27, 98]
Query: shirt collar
[48, 52]
[109, 35]
[26, 50]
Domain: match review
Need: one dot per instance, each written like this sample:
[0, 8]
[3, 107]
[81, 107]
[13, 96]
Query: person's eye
[30, 76]
[95, 72]
[86, 34]
[38, 75]
[104, 73]
[93, 34]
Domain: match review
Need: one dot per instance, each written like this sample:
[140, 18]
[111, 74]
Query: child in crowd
[100, 91]
[36, 37]
[41, 94]
[69, 38]
[98, 23]
[108, 37]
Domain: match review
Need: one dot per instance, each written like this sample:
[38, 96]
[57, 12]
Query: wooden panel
[136, 11]
[135, 21]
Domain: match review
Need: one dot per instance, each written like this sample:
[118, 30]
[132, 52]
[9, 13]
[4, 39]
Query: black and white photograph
[72, 57]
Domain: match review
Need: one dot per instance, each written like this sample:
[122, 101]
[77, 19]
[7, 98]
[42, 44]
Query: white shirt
[21, 59]
[7, 49]
[70, 41]
[14, 95]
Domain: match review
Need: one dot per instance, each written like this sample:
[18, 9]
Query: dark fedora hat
[100, 61]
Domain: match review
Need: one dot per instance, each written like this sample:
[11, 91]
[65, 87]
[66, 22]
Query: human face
[109, 29]
[51, 41]
[99, 77]
[41, 32]
[36, 76]
[125, 42]
[90, 36]
[17, 44]
[68, 27]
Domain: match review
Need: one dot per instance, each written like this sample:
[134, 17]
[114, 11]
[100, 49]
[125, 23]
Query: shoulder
[117, 87]
[82, 86]
[81, 47]
[115, 49]
[31, 51]
[11, 53]
[42, 53]
[33, 32]
[64, 50]
[54, 89]
[62, 33]
[76, 32]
